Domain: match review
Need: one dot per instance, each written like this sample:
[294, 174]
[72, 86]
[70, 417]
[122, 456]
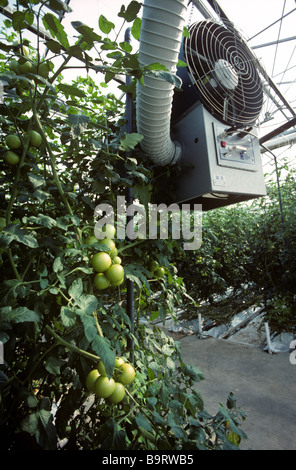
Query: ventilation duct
[161, 38]
[209, 126]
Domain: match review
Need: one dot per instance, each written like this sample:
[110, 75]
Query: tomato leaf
[136, 28]
[143, 422]
[88, 34]
[129, 141]
[18, 315]
[101, 346]
[105, 25]
[52, 24]
[68, 317]
[130, 13]
[14, 232]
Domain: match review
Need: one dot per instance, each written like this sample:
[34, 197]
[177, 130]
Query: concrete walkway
[263, 384]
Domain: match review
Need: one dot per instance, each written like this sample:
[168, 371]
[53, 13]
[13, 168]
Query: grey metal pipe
[160, 41]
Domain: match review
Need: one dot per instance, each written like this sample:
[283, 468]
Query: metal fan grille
[224, 74]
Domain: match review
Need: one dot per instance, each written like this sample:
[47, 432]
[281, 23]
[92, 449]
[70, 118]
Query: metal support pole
[129, 198]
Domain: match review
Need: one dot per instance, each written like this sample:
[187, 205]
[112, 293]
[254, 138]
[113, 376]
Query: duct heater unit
[213, 119]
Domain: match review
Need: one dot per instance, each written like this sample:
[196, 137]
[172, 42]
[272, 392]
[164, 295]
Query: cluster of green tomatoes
[107, 264]
[26, 64]
[14, 144]
[113, 388]
[155, 269]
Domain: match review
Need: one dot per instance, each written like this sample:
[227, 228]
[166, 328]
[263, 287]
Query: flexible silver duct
[160, 42]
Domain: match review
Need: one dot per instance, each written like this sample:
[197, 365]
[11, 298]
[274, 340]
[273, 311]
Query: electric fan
[213, 118]
[222, 72]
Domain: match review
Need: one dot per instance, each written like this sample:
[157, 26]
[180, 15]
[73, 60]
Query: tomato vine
[54, 323]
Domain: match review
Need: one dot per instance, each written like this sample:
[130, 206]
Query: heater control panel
[235, 148]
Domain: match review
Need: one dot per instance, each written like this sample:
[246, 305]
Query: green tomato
[127, 375]
[115, 273]
[118, 394]
[91, 240]
[91, 379]
[153, 265]
[159, 272]
[13, 141]
[104, 387]
[44, 69]
[21, 48]
[118, 283]
[101, 262]
[101, 282]
[35, 139]
[110, 244]
[119, 361]
[13, 66]
[24, 67]
[116, 260]
[113, 253]
[109, 230]
[11, 158]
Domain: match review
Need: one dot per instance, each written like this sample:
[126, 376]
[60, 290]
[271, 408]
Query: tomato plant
[56, 324]
[248, 254]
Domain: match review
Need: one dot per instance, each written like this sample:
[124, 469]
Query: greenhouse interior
[147, 227]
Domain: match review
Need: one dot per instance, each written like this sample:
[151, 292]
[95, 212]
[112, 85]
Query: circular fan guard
[224, 74]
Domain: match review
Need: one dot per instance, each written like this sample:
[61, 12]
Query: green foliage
[251, 250]
[54, 324]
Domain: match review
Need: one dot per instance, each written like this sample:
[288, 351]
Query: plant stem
[68, 345]
[126, 247]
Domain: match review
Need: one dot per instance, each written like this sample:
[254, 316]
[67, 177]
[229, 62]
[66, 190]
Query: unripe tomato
[101, 282]
[153, 265]
[118, 393]
[119, 361]
[159, 272]
[116, 260]
[111, 245]
[35, 139]
[21, 48]
[118, 283]
[13, 141]
[44, 69]
[101, 262]
[127, 375]
[13, 66]
[109, 230]
[104, 387]
[91, 379]
[115, 273]
[91, 240]
[11, 158]
[24, 67]
[113, 253]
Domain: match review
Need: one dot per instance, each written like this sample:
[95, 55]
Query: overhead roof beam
[278, 131]
[272, 43]
[272, 24]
